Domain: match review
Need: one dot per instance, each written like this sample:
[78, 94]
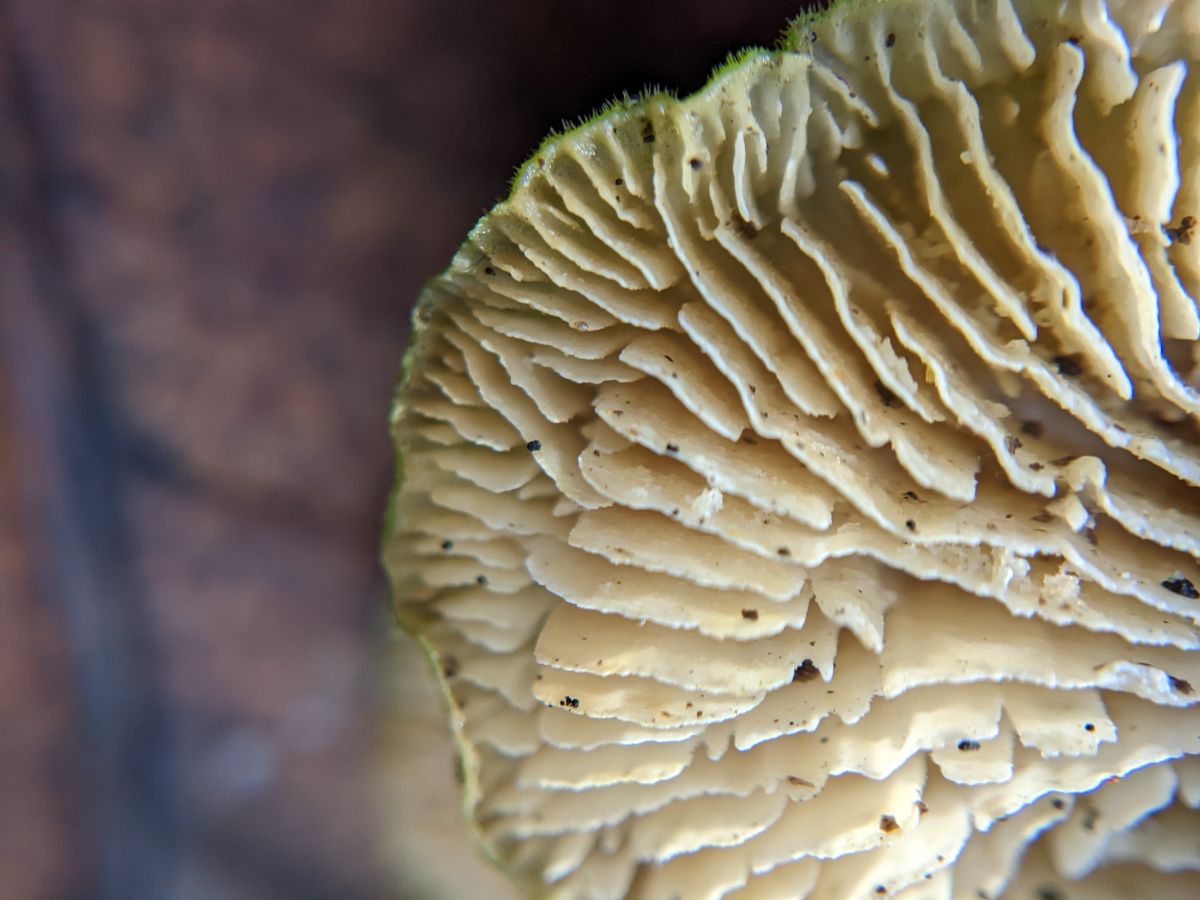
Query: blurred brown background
[214, 215]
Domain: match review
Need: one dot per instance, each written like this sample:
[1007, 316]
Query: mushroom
[799, 487]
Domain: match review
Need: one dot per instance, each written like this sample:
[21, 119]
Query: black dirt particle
[910, 525]
[1179, 685]
[911, 495]
[1058, 803]
[572, 702]
[1068, 365]
[481, 579]
[449, 666]
[648, 133]
[1050, 892]
[746, 229]
[888, 824]
[447, 545]
[1074, 40]
[672, 448]
[1012, 443]
[967, 746]
[534, 445]
[1181, 586]
[890, 400]
[488, 270]
[880, 889]
[806, 671]
[797, 781]
[1031, 428]
[1182, 234]
[890, 40]
[695, 163]
[1036, 466]
[1088, 726]
[751, 614]
[1091, 814]
[784, 551]
[619, 182]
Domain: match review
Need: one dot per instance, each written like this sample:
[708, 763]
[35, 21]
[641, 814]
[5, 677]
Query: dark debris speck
[748, 230]
[1181, 586]
[1183, 233]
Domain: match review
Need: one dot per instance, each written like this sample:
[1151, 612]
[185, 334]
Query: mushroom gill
[800, 480]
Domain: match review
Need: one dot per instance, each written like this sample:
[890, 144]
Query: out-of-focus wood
[214, 215]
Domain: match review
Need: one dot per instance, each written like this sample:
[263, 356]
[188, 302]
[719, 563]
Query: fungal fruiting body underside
[800, 484]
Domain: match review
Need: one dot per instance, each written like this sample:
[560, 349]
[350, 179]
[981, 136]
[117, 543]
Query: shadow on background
[214, 216]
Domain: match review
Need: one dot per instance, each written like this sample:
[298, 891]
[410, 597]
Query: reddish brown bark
[213, 218]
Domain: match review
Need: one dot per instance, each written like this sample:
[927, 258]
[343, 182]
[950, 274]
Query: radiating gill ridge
[800, 480]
